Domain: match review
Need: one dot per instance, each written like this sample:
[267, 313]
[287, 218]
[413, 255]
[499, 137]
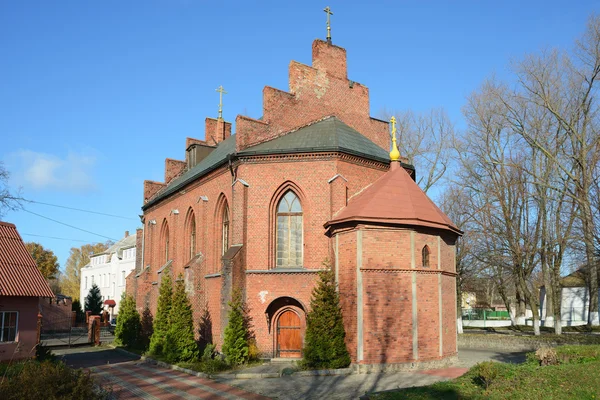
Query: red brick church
[310, 181]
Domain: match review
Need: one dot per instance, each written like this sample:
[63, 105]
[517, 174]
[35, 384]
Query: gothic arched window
[191, 233]
[289, 231]
[167, 244]
[225, 230]
[425, 255]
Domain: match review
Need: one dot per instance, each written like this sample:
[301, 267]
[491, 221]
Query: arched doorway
[288, 335]
[286, 319]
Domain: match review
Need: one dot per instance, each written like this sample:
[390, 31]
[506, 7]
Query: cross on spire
[328, 11]
[221, 93]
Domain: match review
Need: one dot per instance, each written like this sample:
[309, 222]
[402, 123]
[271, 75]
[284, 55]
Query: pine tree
[205, 329]
[180, 344]
[236, 343]
[163, 313]
[93, 301]
[128, 327]
[79, 314]
[146, 328]
[324, 340]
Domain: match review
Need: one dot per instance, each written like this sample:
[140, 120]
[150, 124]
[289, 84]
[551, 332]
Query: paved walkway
[353, 386]
[136, 380]
[131, 379]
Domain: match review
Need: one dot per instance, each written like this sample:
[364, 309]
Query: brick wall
[314, 92]
[387, 317]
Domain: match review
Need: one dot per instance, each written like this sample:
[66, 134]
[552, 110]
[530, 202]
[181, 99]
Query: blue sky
[94, 95]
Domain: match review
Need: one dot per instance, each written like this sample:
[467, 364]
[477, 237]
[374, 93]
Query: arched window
[289, 231]
[165, 242]
[425, 255]
[192, 237]
[225, 230]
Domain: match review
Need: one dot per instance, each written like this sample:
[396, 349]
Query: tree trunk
[520, 308]
[592, 267]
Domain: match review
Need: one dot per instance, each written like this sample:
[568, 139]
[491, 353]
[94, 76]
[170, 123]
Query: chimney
[126, 233]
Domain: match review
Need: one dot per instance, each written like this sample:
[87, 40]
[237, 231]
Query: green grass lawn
[576, 376]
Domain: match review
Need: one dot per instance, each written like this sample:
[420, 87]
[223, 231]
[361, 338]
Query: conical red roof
[395, 198]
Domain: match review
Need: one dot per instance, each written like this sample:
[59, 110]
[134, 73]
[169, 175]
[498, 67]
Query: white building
[574, 300]
[108, 271]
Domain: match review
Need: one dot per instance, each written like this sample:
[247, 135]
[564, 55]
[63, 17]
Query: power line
[80, 210]
[53, 237]
[70, 226]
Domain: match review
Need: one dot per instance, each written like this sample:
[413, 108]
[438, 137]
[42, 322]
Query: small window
[9, 326]
[122, 278]
[93, 280]
[425, 254]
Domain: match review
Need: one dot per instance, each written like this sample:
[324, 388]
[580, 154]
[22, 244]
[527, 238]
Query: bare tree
[453, 203]
[565, 86]
[493, 161]
[424, 140]
[8, 200]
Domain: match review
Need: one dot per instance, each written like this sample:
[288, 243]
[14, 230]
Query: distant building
[108, 271]
[21, 286]
[575, 299]
[468, 300]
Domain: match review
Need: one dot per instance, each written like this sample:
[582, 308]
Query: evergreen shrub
[163, 313]
[146, 328]
[325, 334]
[128, 327]
[238, 333]
[180, 343]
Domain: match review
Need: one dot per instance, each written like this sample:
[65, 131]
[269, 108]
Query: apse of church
[261, 209]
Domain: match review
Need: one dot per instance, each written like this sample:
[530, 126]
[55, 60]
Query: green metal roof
[215, 159]
[329, 134]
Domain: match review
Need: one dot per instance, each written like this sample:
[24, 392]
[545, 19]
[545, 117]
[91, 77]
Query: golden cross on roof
[328, 11]
[394, 154]
[221, 93]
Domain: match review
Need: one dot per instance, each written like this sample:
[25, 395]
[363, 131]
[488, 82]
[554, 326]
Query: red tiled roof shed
[395, 198]
[19, 275]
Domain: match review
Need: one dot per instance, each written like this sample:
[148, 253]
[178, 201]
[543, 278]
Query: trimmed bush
[236, 344]
[325, 334]
[33, 380]
[180, 344]
[163, 313]
[128, 327]
[146, 328]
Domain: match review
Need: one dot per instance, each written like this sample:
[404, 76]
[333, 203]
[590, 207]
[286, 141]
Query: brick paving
[451, 372]
[136, 380]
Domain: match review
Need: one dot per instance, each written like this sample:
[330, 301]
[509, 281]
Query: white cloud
[39, 171]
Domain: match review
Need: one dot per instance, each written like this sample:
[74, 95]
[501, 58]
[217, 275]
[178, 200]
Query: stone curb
[149, 360]
[325, 372]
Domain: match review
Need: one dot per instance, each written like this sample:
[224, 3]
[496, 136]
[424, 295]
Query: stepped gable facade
[263, 209]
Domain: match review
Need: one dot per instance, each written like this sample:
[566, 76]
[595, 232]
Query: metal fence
[485, 315]
[63, 332]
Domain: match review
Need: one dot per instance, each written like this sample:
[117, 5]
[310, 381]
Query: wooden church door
[289, 335]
